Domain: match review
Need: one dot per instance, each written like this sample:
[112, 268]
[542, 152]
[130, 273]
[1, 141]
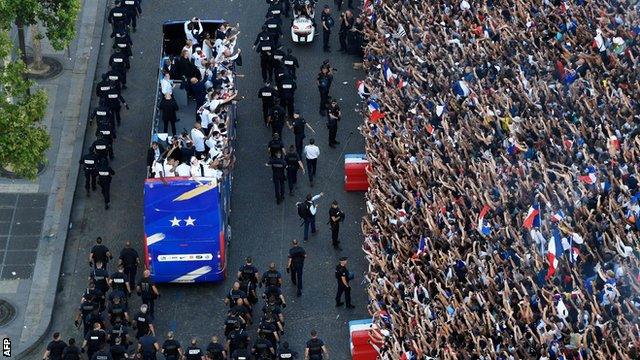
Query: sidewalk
[34, 216]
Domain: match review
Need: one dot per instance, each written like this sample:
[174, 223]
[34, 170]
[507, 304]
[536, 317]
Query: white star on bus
[175, 222]
[190, 221]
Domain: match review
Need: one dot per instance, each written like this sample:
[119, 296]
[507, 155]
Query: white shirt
[190, 33]
[166, 86]
[161, 169]
[311, 152]
[198, 139]
[183, 170]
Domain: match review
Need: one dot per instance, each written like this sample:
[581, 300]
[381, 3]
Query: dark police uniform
[89, 166]
[147, 294]
[299, 125]
[119, 19]
[104, 86]
[120, 63]
[333, 117]
[102, 355]
[148, 348]
[171, 350]
[143, 320]
[113, 99]
[274, 27]
[123, 42]
[276, 119]
[118, 330]
[262, 349]
[280, 72]
[129, 257]
[285, 354]
[193, 353]
[287, 91]
[230, 324]
[248, 272]
[335, 225]
[267, 94]
[292, 159]
[215, 351]
[275, 9]
[297, 256]
[100, 277]
[291, 63]
[264, 46]
[238, 339]
[104, 131]
[103, 114]
[56, 348]
[134, 9]
[341, 271]
[119, 282]
[101, 148]
[95, 340]
[234, 295]
[115, 76]
[118, 352]
[105, 174]
[86, 308]
[71, 352]
[278, 166]
[116, 310]
[327, 21]
[315, 349]
[271, 278]
[275, 146]
[241, 354]
[324, 84]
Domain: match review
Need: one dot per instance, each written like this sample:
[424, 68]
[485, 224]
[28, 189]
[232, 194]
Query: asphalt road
[260, 228]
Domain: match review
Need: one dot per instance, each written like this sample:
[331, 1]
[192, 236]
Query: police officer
[113, 101]
[55, 348]
[295, 264]
[315, 348]
[237, 339]
[280, 72]
[120, 332]
[275, 145]
[275, 9]
[148, 346]
[293, 164]
[102, 354]
[276, 118]
[268, 327]
[324, 80]
[262, 348]
[143, 322]
[117, 309]
[343, 277]
[118, 18]
[94, 340]
[248, 272]
[291, 63]
[215, 350]
[105, 174]
[278, 166]
[134, 9]
[268, 96]
[117, 350]
[284, 352]
[336, 216]
[148, 291]
[102, 149]
[117, 78]
[327, 24]
[103, 87]
[333, 118]
[86, 308]
[287, 89]
[102, 114]
[103, 130]
[241, 354]
[120, 63]
[298, 125]
[272, 276]
[236, 294]
[123, 42]
[130, 260]
[193, 351]
[171, 348]
[89, 166]
[100, 277]
[274, 27]
[264, 46]
[119, 281]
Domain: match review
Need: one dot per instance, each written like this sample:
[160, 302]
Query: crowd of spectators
[503, 212]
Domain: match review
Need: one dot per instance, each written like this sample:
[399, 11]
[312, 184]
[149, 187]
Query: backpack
[303, 209]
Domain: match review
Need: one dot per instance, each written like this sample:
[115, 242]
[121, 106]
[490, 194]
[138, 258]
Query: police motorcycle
[303, 28]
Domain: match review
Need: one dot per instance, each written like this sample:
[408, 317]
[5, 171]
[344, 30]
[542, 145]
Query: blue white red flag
[532, 219]
[483, 227]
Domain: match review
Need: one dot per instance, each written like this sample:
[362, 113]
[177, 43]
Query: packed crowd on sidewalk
[503, 208]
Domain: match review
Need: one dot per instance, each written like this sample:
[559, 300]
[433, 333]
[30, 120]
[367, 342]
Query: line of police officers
[95, 164]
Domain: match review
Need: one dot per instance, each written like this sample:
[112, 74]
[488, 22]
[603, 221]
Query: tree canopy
[23, 139]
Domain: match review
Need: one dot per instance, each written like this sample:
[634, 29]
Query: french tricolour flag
[483, 228]
[421, 247]
[374, 111]
[590, 177]
[557, 216]
[532, 219]
[554, 251]
[389, 76]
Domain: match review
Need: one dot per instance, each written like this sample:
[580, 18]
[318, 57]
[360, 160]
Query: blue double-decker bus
[186, 219]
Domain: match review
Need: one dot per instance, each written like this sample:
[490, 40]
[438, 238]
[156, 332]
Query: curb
[60, 238]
